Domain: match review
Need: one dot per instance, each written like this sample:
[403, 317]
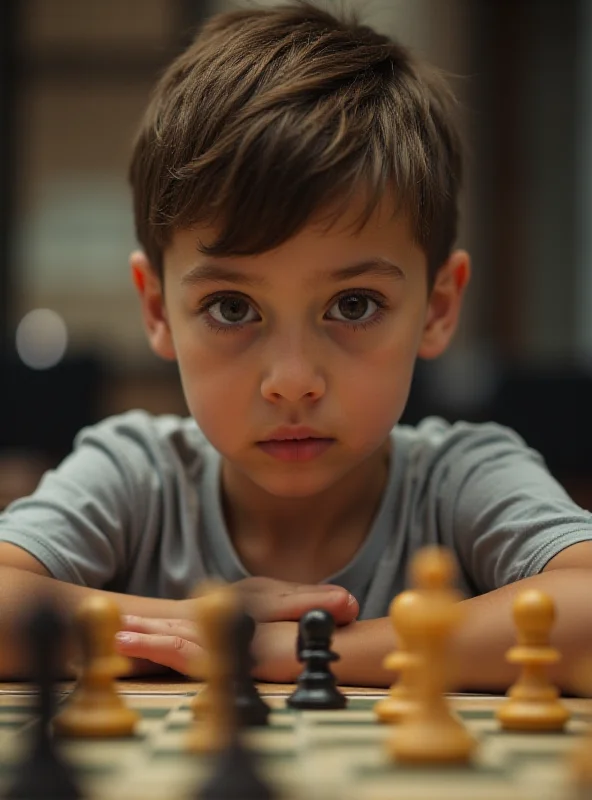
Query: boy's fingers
[170, 651]
[291, 605]
[166, 627]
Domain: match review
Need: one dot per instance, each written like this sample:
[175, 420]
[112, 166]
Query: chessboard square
[473, 714]
[172, 742]
[337, 717]
[270, 741]
[430, 787]
[347, 737]
[555, 778]
[158, 782]
[109, 754]
[21, 708]
[150, 714]
[180, 719]
[361, 704]
[380, 767]
[281, 721]
[163, 703]
[12, 721]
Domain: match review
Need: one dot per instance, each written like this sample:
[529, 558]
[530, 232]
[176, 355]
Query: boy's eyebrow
[208, 272]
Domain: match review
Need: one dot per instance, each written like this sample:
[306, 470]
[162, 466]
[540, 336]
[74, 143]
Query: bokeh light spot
[41, 338]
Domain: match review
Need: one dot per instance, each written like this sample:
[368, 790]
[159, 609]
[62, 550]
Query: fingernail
[124, 638]
[351, 600]
[128, 619]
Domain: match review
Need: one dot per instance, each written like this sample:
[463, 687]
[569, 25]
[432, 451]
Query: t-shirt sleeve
[507, 515]
[83, 518]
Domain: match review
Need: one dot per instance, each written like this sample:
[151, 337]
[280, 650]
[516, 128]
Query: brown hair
[273, 115]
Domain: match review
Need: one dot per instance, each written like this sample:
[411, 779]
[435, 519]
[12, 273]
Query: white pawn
[533, 701]
[402, 696]
[216, 609]
[431, 734]
[580, 759]
[95, 709]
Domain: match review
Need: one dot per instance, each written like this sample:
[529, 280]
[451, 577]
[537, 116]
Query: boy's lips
[290, 432]
[295, 449]
[295, 443]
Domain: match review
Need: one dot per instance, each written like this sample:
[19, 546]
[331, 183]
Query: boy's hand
[174, 643]
[171, 643]
[270, 600]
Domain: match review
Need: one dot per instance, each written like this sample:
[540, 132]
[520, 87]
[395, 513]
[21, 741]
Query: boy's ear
[444, 304]
[150, 291]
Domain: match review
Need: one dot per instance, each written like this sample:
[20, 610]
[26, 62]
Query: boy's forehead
[332, 239]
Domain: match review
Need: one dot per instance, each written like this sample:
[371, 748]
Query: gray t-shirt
[136, 508]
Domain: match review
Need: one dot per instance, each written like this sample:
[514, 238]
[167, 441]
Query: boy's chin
[297, 486]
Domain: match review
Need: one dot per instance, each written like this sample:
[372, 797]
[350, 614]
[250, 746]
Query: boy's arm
[24, 581]
[488, 631]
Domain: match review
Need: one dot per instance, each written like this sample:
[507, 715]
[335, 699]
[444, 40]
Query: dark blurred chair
[40, 413]
[552, 410]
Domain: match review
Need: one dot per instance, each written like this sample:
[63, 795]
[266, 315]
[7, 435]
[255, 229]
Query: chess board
[305, 755]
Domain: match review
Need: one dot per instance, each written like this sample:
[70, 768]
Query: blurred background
[75, 76]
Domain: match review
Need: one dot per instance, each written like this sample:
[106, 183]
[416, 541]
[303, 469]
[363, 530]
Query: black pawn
[235, 776]
[316, 686]
[44, 774]
[251, 709]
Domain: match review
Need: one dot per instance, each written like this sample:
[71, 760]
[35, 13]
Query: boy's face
[321, 333]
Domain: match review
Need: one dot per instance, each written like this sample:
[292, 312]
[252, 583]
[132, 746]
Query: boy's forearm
[486, 634]
[20, 590]
[489, 630]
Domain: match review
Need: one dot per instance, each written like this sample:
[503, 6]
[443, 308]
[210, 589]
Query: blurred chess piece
[43, 772]
[533, 701]
[216, 608]
[95, 708]
[251, 709]
[225, 636]
[200, 702]
[580, 759]
[431, 734]
[402, 696]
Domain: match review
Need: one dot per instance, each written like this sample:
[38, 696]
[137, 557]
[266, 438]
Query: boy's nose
[293, 376]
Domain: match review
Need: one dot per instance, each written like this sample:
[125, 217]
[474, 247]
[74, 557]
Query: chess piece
[580, 759]
[431, 734]
[402, 696]
[250, 707]
[200, 702]
[44, 773]
[316, 686]
[216, 609]
[95, 709]
[235, 776]
[533, 701]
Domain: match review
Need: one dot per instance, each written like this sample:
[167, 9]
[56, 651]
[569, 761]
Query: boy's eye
[354, 307]
[231, 310]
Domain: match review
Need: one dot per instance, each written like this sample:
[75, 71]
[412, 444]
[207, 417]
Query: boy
[295, 184]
